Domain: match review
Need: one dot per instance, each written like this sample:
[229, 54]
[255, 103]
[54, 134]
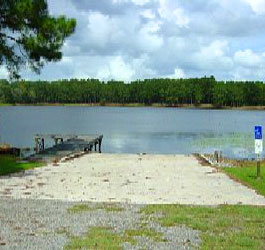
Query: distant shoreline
[154, 105]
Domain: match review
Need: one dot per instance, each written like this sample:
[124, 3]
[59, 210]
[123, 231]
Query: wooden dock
[64, 145]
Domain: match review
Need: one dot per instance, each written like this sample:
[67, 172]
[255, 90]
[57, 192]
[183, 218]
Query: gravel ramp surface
[47, 224]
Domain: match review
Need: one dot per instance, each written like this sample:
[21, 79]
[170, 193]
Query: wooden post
[36, 145]
[216, 156]
[99, 145]
[42, 144]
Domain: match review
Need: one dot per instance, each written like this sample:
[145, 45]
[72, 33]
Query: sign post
[258, 146]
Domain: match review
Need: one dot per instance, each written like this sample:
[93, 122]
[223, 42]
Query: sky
[138, 39]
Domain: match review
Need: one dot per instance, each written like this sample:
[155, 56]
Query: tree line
[170, 92]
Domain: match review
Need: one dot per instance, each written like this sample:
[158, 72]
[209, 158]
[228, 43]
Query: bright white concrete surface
[142, 179]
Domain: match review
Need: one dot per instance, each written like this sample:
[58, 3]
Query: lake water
[135, 130]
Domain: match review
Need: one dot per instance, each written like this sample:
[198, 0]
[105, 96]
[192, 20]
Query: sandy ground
[142, 179]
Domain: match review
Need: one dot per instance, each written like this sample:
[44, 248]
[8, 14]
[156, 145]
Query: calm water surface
[134, 130]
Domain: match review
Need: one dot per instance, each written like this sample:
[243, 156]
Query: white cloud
[247, 58]
[178, 73]
[249, 63]
[99, 29]
[181, 19]
[117, 69]
[136, 39]
[148, 13]
[171, 12]
[215, 49]
[147, 39]
[257, 6]
[140, 2]
[214, 56]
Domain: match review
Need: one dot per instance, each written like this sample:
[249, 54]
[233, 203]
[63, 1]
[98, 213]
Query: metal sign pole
[258, 166]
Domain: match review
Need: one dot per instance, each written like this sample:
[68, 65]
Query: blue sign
[258, 132]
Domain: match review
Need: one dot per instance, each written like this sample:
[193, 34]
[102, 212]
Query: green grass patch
[9, 164]
[79, 208]
[223, 227]
[5, 104]
[112, 208]
[246, 173]
[63, 230]
[97, 238]
[144, 232]
[109, 207]
[104, 238]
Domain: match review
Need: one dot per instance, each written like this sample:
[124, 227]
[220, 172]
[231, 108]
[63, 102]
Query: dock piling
[99, 145]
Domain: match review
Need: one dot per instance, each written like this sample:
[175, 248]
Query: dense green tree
[29, 35]
[207, 88]
[171, 92]
[5, 92]
[220, 94]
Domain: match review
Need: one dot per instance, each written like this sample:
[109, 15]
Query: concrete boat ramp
[130, 178]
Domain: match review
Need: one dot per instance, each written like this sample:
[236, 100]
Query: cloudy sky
[136, 39]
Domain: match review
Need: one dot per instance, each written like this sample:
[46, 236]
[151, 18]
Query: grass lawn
[4, 104]
[246, 173]
[109, 207]
[9, 165]
[224, 227]
[96, 238]
[104, 238]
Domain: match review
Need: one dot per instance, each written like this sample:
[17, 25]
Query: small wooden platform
[66, 144]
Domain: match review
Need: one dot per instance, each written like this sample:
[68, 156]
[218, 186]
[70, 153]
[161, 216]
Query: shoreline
[136, 105]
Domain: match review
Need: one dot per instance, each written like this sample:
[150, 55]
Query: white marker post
[258, 146]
